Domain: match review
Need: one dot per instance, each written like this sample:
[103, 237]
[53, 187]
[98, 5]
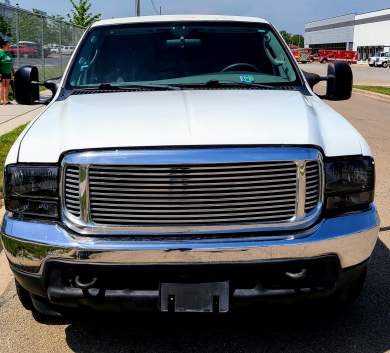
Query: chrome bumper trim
[29, 245]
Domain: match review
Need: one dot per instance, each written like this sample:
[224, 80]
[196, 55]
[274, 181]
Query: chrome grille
[152, 192]
[312, 186]
[72, 194]
[182, 195]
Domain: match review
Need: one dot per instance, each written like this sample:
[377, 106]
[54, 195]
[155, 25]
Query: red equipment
[349, 56]
[302, 55]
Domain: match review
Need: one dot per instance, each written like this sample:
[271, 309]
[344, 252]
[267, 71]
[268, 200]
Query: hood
[187, 118]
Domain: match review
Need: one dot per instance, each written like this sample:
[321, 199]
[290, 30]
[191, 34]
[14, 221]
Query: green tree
[5, 27]
[30, 27]
[286, 36]
[298, 40]
[295, 39]
[80, 14]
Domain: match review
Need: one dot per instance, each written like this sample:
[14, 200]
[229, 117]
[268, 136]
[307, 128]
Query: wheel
[371, 65]
[324, 61]
[347, 293]
[24, 296]
[385, 65]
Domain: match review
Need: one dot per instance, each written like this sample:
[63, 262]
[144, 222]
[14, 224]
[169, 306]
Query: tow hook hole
[84, 282]
[297, 275]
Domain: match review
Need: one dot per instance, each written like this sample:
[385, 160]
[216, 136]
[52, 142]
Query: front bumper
[30, 245]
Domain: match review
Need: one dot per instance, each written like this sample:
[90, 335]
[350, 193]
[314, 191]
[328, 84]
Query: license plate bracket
[195, 297]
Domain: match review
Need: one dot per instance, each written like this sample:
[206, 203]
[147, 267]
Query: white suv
[383, 60]
[184, 164]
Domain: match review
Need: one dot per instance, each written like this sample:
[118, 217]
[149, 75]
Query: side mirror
[52, 85]
[26, 85]
[313, 79]
[339, 81]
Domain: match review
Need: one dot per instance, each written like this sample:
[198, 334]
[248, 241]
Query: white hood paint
[193, 118]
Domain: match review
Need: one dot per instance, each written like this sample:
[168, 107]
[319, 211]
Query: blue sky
[285, 14]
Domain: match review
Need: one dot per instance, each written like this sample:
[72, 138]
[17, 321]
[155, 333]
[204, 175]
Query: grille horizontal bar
[138, 221]
[193, 168]
[196, 204]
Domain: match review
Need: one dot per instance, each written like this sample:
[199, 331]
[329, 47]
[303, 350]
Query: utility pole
[138, 7]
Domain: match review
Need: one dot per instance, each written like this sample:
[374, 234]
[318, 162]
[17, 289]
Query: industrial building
[367, 33]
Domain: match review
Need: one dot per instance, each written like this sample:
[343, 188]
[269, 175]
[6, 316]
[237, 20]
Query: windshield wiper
[135, 86]
[108, 86]
[227, 83]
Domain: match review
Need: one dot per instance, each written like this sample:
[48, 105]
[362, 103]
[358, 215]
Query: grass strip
[375, 89]
[6, 142]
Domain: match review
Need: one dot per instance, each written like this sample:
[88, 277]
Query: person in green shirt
[6, 70]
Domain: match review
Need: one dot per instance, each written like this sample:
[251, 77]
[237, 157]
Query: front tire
[385, 65]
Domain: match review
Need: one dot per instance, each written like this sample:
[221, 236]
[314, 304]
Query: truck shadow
[276, 328]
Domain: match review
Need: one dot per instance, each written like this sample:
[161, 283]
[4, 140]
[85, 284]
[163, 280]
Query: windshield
[180, 54]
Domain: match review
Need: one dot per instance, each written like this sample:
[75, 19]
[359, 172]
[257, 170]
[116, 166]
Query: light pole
[138, 7]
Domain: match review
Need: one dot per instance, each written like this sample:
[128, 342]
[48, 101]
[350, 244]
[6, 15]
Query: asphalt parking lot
[363, 328]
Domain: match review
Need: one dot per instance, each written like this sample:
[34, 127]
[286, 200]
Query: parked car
[382, 60]
[191, 169]
[67, 49]
[29, 49]
[24, 51]
[54, 48]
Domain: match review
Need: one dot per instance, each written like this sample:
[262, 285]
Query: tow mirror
[27, 86]
[339, 81]
[52, 85]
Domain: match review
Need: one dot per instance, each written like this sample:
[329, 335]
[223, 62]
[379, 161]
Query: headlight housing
[31, 190]
[349, 183]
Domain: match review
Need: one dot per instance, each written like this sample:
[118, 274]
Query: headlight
[31, 190]
[349, 183]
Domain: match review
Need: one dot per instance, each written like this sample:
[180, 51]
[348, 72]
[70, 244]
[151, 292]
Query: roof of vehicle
[173, 18]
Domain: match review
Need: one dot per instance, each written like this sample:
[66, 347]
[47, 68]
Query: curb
[378, 96]
[16, 121]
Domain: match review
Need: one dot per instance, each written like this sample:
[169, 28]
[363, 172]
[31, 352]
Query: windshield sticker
[247, 78]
